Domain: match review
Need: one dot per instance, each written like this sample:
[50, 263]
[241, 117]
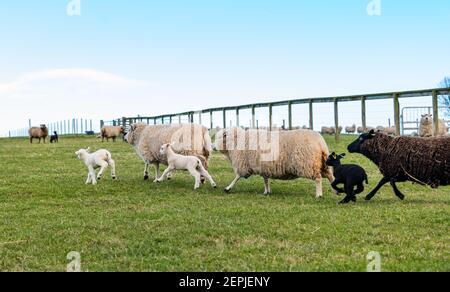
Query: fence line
[78, 126]
[310, 102]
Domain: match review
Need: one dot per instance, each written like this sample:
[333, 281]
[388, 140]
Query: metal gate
[411, 116]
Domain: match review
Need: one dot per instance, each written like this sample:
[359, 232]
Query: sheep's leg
[359, 189]
[88, 181]
[267, 190]
[350, 195]
[112, 163]
[206, 174]
[375, 191]
[158, 172]
[31, 140]
[103, 166]
[166, 172]
[335, 187]
[146, 177]
[397, 191]
[92, 174]
[231, 186]
[39, 140]
[193, 171]
[319, 190]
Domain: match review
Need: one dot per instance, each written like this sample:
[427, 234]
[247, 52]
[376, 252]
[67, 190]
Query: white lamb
[100, 159]
[190, 163]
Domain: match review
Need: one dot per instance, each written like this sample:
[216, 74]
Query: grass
[46, 211]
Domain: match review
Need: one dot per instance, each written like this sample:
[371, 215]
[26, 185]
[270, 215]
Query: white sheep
[285, 155]
[180, 162]
[100, 159]
[426, 128]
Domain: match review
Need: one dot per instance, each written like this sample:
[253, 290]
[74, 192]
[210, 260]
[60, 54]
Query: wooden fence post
[397, 114]
[290, 115]
[435, 113]
[237, 118]
[211, 119]
[270, 116]
[224, 118]
[253, 117]
[363, 113]
[311, 115]
[336, 119]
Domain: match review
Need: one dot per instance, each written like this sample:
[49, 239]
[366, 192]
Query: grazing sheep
[350, 130]
[54, 138]
[426, 128]
[283, 155]
[188, 140]
[392, 131]
[361, 130]
[111, 132]
[38, 133]
[328, 130]
[350, 175]
[190, 163]
[100, 159]
[339, 129]
[401, 159]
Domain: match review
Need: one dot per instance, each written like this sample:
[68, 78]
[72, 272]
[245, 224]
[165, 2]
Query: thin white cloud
[90, 75]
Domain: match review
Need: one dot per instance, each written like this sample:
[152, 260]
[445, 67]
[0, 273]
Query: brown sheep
[38, 133]
[111, 132]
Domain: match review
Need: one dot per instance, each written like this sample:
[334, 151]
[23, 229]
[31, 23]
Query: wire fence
[79, 126]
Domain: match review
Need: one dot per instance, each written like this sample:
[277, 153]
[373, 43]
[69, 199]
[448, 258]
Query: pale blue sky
[151, 57]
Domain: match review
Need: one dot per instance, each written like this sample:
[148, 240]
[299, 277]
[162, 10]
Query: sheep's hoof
[214, 186]
[99, 178]
[227, 190]
[368, 198]
[114, 178]
[146, 177]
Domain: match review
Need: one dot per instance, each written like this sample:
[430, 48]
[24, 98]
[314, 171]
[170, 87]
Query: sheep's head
[82, 152]
[164, 148]
[355, 147]
[335, 160]
[426, 119]
[133, 134]
[43, 127]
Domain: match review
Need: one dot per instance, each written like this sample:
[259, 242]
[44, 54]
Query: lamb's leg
[103, 166]
[193, 171]
[359, 189]
[164, 176]
[267, 190]
[112, 163]
[231, 186]
[92, 174]
[337, 189]
[350, 195]
[88, 181]
[319, 190]
[375, 191]
[206, 174]
[397, 191]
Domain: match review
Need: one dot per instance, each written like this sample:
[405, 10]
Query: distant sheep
[100, 159]
[350, 130]
[38, 133]
[180, 162]
[54, 138]
[427, 127]
[111, 132]
[401, 159]
[289, 155]
[361, 130]
[188, 140]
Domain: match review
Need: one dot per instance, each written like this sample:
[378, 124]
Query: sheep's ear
[372, 132]
[333, 154]
[342, 155]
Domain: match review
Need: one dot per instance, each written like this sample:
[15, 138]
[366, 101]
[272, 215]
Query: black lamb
[54, 138]
[420, 160]
[350, 175]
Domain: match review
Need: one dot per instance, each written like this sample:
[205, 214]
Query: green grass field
[46, 211]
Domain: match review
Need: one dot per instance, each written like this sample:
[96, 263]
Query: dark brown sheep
[420, 160]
